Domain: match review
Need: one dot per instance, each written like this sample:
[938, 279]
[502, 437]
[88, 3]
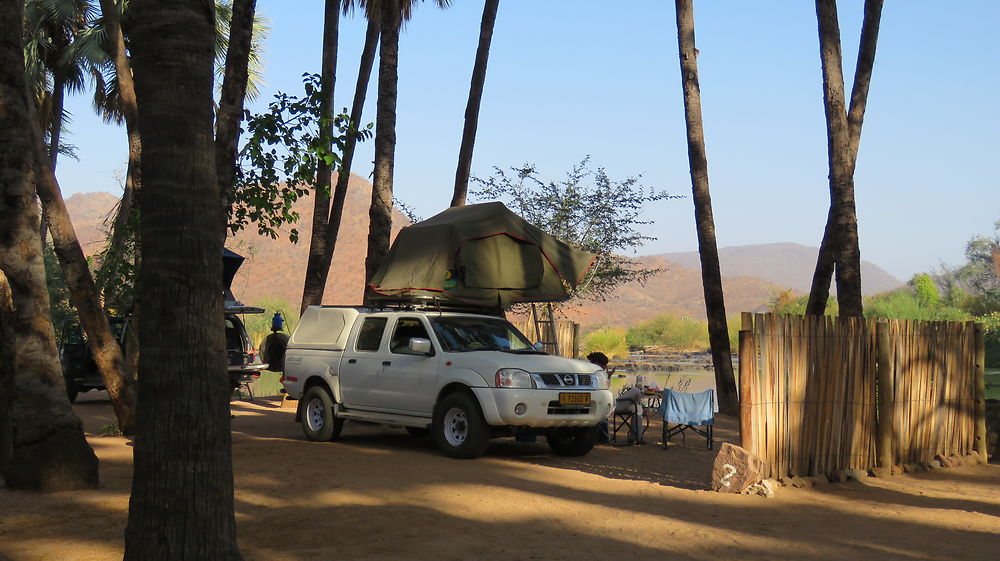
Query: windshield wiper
[524, 351]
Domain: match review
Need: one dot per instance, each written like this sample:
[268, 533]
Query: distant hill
[784, 264]
[275, 269]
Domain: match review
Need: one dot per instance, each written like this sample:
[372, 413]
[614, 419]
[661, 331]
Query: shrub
[991, 328]
[610, 341]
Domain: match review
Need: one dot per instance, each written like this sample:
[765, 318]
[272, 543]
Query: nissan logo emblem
[567, 379]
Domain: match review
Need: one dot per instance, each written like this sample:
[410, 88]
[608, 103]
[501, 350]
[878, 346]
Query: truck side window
[370, 334]
[406, 328]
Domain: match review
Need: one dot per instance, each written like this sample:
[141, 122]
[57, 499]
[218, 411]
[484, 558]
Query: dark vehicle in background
[78, 366]
[243, 360]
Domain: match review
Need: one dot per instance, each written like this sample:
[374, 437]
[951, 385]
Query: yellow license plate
[574, 398]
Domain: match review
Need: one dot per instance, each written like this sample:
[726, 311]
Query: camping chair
[687, 411]
[627, 414]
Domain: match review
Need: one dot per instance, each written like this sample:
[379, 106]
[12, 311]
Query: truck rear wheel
[71, 391]
[572, 441]
[318, 421]
[459, 429]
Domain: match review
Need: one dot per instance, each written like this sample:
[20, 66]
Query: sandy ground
[382, 494]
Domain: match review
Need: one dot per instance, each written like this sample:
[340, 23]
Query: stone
[959, 461]
[897, 469]
[946, 461]
[933, 464]
[765, 488]
[820, 479]
[882, 471]
[973, 459]
[911, 468]
[803, 482]
[787, 481]
[855, 474]
[735, 469]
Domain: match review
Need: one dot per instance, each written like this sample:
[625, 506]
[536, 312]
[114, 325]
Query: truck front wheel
[459, 429]
[572, 441]
[318, 421]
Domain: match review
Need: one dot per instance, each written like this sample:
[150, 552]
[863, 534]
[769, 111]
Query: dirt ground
[382, 494]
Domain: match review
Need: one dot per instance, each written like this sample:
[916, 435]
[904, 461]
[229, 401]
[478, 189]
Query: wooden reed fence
[567, 333]
[810, 388]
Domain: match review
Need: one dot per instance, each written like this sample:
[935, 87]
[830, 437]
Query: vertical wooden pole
[748, 359]
[979, 444]
[885, 456]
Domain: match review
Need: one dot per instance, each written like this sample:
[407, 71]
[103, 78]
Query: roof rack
[431, 303]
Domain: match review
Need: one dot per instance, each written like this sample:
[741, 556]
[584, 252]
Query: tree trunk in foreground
[380, 213]
[711, 276]
[475, 100]
[49, 451]
[8, 357]
[819, 293]
[315, 279]
[847, 256]
[181, 506]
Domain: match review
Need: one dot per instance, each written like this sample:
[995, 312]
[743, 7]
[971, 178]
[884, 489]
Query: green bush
[908, 303]
[991, 329]
[672, 332]
[610, 341]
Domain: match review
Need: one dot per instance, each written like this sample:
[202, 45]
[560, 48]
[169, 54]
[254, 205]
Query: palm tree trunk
[820, 291]
[55, 131]
[847, 256]
[711, 276]
[8, 357]
[181, 505]
[380, 212]
[475, 99]
[48, 449]
[344, 176]
[84, 296]
[234, 91]
[312, 290]
[130, 110]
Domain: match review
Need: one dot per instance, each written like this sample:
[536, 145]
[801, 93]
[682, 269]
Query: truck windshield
[463, 334]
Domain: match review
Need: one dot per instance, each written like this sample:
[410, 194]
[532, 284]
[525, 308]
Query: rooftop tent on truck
[480, 254]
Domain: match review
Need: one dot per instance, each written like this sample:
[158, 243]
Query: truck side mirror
[539, 346]
[420, 346]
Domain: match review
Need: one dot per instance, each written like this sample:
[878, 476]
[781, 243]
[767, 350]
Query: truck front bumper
[543, 408]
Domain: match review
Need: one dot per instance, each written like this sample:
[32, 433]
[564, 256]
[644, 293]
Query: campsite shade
[480, 254]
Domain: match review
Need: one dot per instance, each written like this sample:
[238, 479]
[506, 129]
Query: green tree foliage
[588, 210]
[277, 164]
[788, 302]
[62, 311]
[610, 341]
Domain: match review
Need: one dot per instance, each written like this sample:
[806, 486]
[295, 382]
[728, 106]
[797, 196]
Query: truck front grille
[565, 380]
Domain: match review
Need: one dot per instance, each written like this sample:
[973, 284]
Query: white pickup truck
[465, 377]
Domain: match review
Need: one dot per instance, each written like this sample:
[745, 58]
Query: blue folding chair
[687, 411]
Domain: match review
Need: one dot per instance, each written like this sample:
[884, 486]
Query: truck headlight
[514, 378]
[600, 378]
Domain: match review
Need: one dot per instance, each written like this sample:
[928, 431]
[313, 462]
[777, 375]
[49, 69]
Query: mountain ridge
[274, 270]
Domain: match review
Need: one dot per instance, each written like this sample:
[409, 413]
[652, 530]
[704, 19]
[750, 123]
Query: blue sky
[568, 79]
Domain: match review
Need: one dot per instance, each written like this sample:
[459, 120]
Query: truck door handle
[352, 361]
[386, 362]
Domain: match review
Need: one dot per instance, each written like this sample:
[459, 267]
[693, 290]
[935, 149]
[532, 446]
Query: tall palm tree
[181, 505]
[392, 13]
[475, 99]
[820, 291]
[236, 78]
[52, 24]
[347, 159]
[847, 254]
[312, 292]
[711, 276]
[49, 450]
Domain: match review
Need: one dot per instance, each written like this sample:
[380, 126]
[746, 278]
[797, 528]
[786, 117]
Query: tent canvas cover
[480, 254]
